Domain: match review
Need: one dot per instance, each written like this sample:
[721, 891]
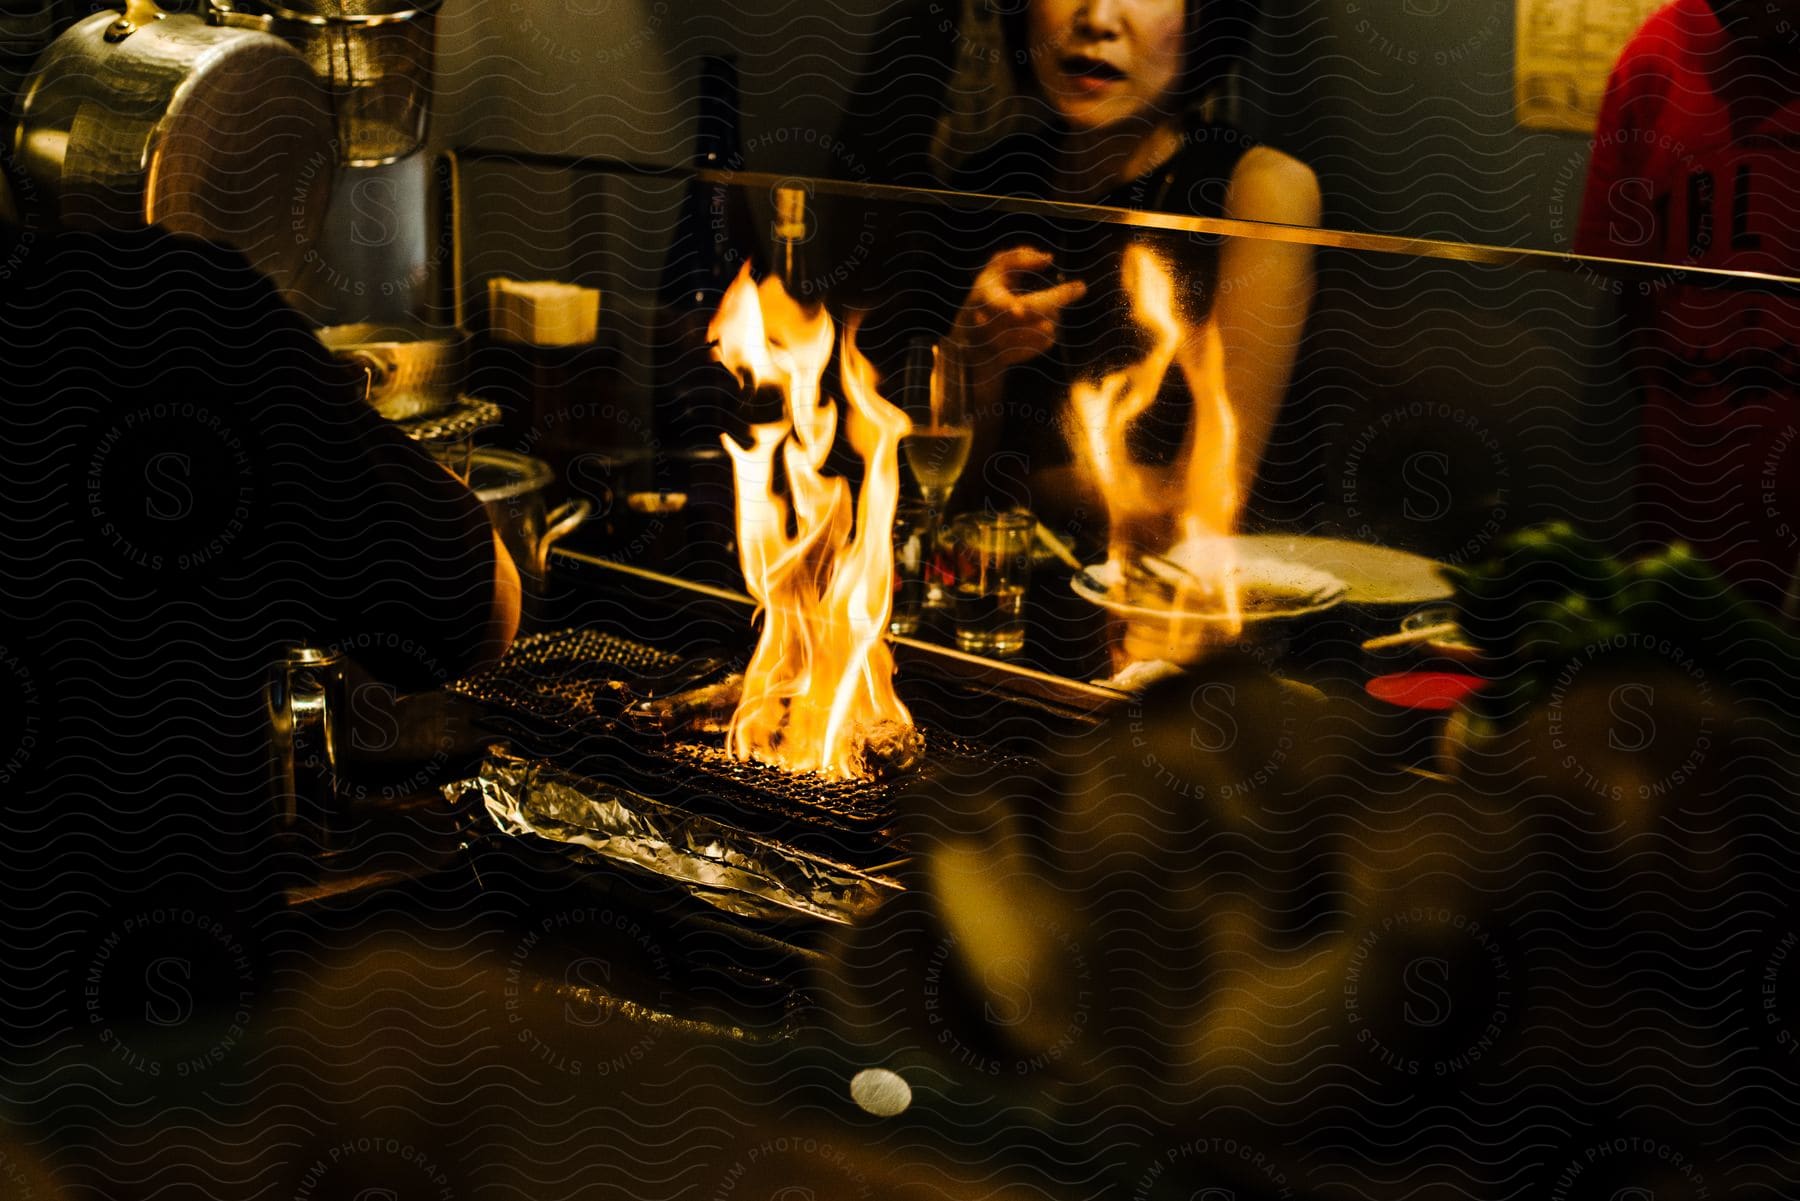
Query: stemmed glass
[934, 393]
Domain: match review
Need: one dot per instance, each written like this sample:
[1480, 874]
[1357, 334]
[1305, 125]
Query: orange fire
[1184, 516]
[821, 570]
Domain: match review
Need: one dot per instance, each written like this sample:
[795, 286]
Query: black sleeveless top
[1098, 334]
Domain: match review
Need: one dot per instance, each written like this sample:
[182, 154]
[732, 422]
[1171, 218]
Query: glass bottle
[697, 399]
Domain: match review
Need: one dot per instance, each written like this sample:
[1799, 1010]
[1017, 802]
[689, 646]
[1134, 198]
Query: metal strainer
[375, 57]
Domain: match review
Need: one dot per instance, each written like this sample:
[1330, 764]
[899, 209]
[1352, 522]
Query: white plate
[1374, 575]
[1318, 590]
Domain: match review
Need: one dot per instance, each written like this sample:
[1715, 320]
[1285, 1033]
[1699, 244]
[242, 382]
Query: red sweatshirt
[1697, 162]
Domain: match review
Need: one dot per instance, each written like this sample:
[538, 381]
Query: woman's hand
[1000, 326]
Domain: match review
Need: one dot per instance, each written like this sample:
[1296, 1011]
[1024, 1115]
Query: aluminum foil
[725, 867]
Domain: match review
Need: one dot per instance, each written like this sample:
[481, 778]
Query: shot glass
[914, 528]
[992, 556]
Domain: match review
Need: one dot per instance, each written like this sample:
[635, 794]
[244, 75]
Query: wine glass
[935, 394]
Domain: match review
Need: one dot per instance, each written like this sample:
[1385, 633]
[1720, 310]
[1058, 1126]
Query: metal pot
[411, 372]
[512, 487]
[203, 125]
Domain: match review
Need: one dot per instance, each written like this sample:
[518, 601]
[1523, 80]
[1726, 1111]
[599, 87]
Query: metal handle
[221, 12]
[558, 523]
[137, 14]
[381, 371]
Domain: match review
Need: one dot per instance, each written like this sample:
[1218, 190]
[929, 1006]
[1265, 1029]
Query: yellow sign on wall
[1565, 52]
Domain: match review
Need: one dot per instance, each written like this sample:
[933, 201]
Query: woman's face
[1104, 61]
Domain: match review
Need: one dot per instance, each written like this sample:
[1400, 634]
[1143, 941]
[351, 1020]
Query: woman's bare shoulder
[1268, 185]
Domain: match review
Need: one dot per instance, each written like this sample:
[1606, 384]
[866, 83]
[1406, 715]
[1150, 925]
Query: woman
[1125, 85]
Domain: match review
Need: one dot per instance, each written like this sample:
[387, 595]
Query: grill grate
[570, 680]
[845, 798]
[558, 676]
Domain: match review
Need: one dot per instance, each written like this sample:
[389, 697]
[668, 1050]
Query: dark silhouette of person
[189, 487]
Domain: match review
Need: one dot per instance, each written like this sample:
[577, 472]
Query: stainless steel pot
[411, 372]
[512, 486]
[203, 125]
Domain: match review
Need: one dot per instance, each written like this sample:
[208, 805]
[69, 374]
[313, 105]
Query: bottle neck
[790, 232]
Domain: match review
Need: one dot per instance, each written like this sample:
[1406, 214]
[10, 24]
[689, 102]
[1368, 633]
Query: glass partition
[1432, 395]
[1479, 121]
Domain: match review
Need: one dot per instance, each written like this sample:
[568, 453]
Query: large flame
[821, 570]
[1183, 516]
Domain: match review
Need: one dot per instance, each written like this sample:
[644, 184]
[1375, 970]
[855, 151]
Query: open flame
[820, 683]
[1183, 516]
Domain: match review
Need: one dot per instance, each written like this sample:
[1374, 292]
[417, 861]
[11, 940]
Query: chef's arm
[1265, 292]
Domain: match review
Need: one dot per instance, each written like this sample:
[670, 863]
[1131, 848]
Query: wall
[1437, 398]
[1405, 109]
[619, 78]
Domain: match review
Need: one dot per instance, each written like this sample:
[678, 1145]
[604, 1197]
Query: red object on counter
[1431, 691]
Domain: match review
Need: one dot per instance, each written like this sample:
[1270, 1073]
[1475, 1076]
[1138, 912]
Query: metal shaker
[307, 703]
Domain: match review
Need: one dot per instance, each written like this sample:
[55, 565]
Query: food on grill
[704, 710]
[667, 679]
[892, 749]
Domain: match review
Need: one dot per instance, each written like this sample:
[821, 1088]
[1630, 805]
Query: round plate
[1374, 575]
[1320, 590]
